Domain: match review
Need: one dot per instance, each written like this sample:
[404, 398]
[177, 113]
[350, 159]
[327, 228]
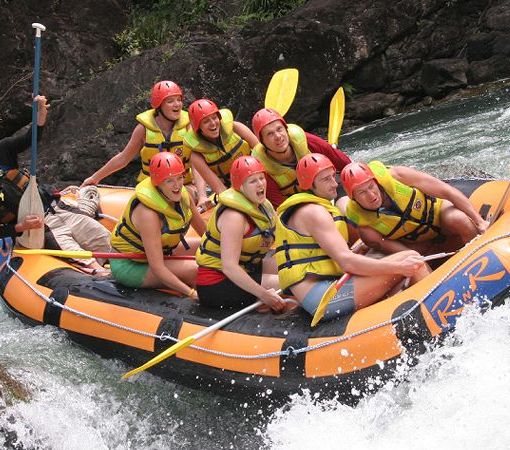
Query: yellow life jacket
[254, 246]
[298, 255]
[176, 220]
[285, 174]
[156, 142]
[219, 157]
[414, 215]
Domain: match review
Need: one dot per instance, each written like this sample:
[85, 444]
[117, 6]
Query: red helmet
[242, 168]
[309, 166]
[355, 174]
[162, 90]
[200, 109]
[164, 165]
[263, 117]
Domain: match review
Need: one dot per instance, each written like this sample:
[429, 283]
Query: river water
[457, 396]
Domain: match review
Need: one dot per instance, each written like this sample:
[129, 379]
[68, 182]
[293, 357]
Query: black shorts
[227, 294]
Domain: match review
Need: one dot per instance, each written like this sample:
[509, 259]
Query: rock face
[77, 42]
[391, 54]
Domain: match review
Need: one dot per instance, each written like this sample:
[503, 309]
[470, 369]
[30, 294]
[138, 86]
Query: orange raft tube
[261, 352]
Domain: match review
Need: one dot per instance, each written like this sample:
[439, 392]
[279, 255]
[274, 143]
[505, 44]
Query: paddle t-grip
[39, 27]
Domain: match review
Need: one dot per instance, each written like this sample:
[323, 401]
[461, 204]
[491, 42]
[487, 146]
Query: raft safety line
[289, 351]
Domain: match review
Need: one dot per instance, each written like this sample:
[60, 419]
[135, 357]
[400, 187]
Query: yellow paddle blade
[31, 204]
[162, 356]
[327, 297]
[336, 116]
[77, 254]
[321, 309]
[282, 90]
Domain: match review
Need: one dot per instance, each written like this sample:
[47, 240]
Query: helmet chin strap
[160, 111]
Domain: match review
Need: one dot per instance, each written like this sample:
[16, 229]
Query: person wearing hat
[281, 146]
[155, 223]
[399, 208]
[234, 269]
[312, 250]
[215, 141]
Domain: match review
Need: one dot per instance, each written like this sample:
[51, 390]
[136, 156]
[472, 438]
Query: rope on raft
[289, 351]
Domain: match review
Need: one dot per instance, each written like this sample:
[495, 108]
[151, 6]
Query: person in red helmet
[160, 129]
[398, 208]
[281, 146]
[312, 249]
[234, 269]
[155, 222]
[215, 141]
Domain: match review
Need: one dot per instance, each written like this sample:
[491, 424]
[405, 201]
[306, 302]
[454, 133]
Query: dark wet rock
[373, 106]
[441, 76]
[77, 42]
[498, 17]
[482, 71]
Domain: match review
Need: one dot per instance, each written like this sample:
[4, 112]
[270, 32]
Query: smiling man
[281, 146]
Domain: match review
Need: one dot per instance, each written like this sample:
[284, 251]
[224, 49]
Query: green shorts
[128, 272]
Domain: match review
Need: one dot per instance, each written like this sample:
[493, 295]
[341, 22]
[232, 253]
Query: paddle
[84, 254]
[186, 342]
[336, 116]
[282, 90]
[335, 287]
[500, 206]
[31, 202]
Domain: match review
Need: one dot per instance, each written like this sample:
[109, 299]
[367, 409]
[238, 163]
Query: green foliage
[159, 22]
[349, 89]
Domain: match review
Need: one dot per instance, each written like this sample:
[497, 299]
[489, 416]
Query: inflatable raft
[263, 352]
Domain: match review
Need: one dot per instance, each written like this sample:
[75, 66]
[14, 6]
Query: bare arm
[208, 175]
[245, 133]
[375, 240]
[233, 224]
[197, 222]
[201, 186]
[122, 159]
[437, 188]
[148, 224]
[317, 222]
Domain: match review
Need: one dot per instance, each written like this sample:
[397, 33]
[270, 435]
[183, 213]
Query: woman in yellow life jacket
[160, 129]
[398, 208]
[233, 267]
[215, 142]
[312, 250]
[155, 223]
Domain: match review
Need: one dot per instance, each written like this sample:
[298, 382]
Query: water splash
[456, 396]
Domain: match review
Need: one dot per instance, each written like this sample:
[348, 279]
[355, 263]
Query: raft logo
[481, 279]
[418, 204]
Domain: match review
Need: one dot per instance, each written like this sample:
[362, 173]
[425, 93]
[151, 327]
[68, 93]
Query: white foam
[457, 397]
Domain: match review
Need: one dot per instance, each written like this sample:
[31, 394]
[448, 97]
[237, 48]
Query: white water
[456, 397]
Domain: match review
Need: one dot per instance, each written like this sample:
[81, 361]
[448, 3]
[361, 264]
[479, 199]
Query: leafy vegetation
[159, 22]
